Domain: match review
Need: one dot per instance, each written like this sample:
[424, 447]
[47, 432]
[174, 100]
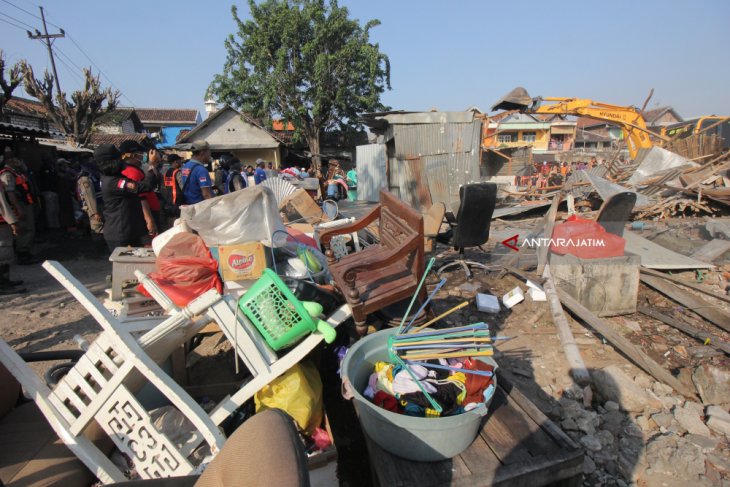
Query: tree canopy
[77, 116]
[306, 62]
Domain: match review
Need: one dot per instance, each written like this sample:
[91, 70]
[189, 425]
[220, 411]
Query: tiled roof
[26, 107]
[116, 139]
[186, 115]
[655, 113]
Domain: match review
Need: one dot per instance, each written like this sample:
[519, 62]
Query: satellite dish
[281, 188]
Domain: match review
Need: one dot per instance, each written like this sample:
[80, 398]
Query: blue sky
[445, 55]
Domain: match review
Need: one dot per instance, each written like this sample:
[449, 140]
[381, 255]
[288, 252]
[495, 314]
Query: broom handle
[479, 327]
[418, 290]
[435, 356]
[442, 315]
[425, 303]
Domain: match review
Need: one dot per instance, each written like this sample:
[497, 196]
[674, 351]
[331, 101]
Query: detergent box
[241, 262]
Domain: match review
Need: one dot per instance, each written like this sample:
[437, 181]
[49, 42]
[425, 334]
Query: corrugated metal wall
[446, 155]
[371, 177]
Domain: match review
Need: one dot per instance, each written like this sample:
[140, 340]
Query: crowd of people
[555, 173]
[125, 195]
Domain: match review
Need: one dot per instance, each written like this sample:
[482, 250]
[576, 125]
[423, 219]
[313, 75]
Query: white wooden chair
[101, 387]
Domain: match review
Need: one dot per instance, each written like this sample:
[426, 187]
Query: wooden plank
[655, 256]
[706, 310]
[507, 382]
[711, 250]
[624, 346]
[506, 443]
[702, 289]
[577, 367]
[542, 251]
[480, 459]
[545, 470]
[690, 330]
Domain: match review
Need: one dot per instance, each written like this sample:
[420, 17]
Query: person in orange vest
[9, 226]
[20, 196]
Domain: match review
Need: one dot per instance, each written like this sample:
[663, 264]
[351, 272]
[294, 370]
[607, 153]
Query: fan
[281, 188]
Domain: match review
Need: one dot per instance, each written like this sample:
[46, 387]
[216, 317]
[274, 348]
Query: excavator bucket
[517, 99]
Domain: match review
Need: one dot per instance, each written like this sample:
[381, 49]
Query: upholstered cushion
[264, 451]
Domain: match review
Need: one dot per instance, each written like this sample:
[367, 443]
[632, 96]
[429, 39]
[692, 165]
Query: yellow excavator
[628, 118]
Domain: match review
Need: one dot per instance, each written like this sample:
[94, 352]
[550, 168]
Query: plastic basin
[413, 438]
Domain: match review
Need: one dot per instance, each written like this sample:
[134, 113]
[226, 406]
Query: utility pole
[47, 38]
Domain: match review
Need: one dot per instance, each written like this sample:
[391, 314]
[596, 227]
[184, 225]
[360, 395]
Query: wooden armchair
[381, 274]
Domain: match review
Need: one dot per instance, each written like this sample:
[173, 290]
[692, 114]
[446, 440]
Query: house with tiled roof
[661, 116]
[228, 130]
[99, 138]
[29, 114]
[120, 121]
[165, 124]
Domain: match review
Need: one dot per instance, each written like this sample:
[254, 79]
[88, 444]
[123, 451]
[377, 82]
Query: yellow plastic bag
[298, 392]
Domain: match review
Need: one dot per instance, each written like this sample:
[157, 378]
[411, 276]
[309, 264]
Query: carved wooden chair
[381, 274]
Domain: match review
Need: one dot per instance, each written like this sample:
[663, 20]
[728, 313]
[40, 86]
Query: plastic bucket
[419, 439]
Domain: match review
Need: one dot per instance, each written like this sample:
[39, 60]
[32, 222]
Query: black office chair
[470, 227]
[616, 211]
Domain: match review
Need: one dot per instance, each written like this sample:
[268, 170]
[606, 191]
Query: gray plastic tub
[419, 439]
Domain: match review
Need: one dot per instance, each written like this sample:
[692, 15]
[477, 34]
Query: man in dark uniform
[124, 222]
[168, 188]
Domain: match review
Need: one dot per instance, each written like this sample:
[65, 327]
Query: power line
[68, 36]
[14, 25]
[17, 20]
[58, 51]
[71, 70]
[27, 12]
[97, 67]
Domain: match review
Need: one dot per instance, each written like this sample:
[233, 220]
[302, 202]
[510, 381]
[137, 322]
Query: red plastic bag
[185, 269]
[586, 239]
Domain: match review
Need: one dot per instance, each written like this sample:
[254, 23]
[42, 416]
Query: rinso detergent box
[242, 261]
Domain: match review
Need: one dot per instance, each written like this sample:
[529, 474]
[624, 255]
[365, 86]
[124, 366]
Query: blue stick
[425, 303]
[456, 346]
[446, 331]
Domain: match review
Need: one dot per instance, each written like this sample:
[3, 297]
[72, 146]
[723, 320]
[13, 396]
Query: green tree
[77, 116]
[306, 62]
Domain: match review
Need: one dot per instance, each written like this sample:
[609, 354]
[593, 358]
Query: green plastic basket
[278, 315]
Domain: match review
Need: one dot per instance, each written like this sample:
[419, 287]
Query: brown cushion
[31, 454]
[264, 451]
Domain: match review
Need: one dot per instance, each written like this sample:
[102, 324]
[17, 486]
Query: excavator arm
[628, 118]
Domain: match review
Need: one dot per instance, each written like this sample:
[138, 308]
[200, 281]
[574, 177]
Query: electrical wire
[14, 25]
[29, 13]
[17, 20]
[71, 70]
[98, 68]
[71, 39]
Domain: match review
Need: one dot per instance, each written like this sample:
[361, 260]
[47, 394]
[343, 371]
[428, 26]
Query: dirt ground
[47, 318]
